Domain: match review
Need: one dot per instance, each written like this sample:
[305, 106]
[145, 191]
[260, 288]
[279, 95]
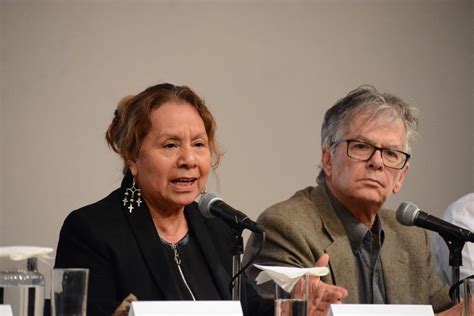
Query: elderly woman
[147, 240]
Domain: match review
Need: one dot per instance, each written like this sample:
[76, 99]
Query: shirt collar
[355, 230]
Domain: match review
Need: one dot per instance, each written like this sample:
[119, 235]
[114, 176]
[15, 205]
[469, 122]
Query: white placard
[380, 310]
[6, 310]
[185, 308]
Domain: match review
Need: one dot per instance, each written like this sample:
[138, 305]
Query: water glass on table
[69, 291]
[294, 302]
[468, 296]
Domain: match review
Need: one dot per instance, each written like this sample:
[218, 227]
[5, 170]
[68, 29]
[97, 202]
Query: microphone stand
[455, 246]
[237, 251]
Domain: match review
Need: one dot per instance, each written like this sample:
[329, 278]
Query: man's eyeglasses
[363, 151]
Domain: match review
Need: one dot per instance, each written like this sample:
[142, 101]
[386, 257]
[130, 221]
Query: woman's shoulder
[104, 209]
[95, 224]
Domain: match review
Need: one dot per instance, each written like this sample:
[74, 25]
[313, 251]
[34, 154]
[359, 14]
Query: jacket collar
[152, 250]
[341, 259]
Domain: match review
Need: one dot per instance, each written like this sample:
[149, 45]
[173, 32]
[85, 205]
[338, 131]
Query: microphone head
[406, 213]
[205, 203]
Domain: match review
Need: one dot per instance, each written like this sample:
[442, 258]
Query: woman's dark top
[186, 256]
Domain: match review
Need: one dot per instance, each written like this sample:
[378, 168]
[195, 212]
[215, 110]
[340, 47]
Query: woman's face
[174, 160]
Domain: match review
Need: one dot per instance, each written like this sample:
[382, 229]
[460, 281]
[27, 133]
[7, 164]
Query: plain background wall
[267, 69]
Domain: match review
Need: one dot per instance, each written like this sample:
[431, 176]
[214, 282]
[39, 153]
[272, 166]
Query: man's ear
[326, 161]
[398, 184]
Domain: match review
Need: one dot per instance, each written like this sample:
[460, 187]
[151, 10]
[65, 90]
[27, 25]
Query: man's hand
[458, 309]
[322, 295]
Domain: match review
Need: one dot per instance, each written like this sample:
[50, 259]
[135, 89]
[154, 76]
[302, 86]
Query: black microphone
[211, 205]
[409, 214]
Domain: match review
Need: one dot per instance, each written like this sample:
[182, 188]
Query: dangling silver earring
[203, 191]
[132, 195]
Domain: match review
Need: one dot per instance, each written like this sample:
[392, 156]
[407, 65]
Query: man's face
[365, 184]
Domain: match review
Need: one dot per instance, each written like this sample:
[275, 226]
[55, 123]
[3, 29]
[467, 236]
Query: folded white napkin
[24, 252]
[287, 277]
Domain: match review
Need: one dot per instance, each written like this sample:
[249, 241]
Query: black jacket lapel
[151, 247]
[201, 232]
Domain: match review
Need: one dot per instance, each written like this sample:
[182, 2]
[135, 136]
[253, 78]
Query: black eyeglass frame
[375, 149]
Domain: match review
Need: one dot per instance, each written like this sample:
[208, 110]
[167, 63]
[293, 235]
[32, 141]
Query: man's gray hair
[367, 101]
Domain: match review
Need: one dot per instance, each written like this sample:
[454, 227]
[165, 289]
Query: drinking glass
[293, 303]
[23, 290]
[468, 292]
[69, 292]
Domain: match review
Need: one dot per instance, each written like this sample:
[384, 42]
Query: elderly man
[366, 140]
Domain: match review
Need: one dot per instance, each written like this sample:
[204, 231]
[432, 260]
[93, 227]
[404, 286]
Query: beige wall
[2, 69]
[268, 69]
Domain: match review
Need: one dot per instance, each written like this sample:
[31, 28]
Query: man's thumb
[323, 261]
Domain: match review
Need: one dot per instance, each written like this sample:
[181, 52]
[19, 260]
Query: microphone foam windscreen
[205, 203]
[406, 213]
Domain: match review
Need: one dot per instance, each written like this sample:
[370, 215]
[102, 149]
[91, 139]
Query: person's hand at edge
[322, 295]
[124, 307]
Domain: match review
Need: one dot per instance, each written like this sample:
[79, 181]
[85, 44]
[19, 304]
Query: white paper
[286, 277]
[380, 310]
[24, 252]
[6, 310]
[185, 308]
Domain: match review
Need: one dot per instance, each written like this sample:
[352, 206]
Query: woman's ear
[132, 165]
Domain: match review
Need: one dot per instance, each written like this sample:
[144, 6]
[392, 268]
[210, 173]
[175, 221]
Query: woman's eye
[200, 144]
[169, 146]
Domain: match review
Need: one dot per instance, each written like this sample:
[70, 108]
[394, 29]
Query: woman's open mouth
[184, 182]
